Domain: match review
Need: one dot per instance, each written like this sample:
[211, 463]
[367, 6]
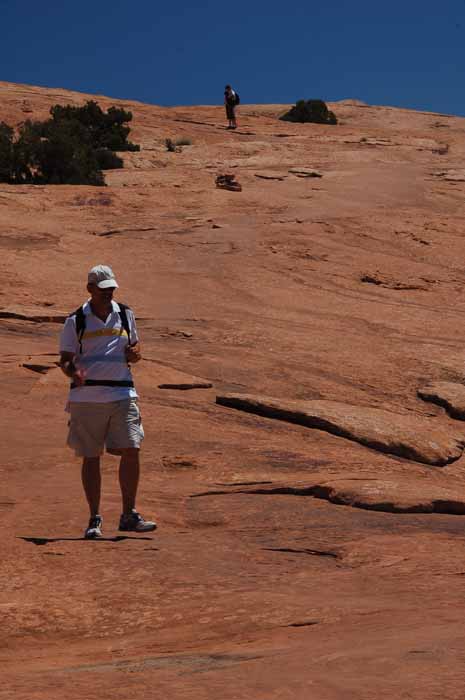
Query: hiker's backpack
[237, 98]
[81, 323]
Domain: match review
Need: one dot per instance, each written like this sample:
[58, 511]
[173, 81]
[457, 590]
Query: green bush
[73, 147]
[108, 160]
[26, 152]
[66, 157]
[57, 153]
[314, 111]
[6, 152]
[106, 130]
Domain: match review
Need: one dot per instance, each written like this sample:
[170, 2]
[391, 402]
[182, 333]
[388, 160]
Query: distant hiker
[97, 343]
[231, 100]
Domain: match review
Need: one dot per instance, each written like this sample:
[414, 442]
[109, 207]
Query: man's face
[100, 296]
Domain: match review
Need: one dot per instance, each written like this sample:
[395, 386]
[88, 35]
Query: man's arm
[69, 368]
[133, 350]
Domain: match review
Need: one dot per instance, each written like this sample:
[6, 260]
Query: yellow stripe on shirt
[104, 331]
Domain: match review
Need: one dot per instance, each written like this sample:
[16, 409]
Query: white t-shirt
[103, 354]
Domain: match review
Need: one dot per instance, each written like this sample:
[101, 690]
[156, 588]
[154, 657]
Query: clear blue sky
[405, 53]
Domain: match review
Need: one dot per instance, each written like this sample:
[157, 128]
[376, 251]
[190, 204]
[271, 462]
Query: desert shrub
[72, 147]
[108, 160]
[6, 152]
[57, 153]
[26, 149]
[314, 111]
[106, 130]
[170, 145]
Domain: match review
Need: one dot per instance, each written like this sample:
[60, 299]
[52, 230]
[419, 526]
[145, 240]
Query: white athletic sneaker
[94, 529]
[134, 522]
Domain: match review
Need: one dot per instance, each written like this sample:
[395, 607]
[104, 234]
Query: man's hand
[133, 353]
[78, 377]
[69, 368]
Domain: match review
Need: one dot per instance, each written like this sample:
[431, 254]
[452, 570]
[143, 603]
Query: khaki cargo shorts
[115, 425]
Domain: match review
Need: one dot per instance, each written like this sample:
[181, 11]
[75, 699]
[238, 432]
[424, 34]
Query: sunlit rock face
[310, 543]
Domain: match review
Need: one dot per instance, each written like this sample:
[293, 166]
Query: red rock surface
[344, 288]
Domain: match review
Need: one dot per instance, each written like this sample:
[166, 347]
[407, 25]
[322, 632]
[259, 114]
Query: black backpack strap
[80, 325]
[123, 309]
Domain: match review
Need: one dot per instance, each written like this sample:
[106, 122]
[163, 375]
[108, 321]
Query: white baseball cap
[102, 276]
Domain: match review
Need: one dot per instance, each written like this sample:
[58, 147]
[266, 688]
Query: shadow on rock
[48, 540]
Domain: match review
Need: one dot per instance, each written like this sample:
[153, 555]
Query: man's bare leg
[92, 482]
[129, 470]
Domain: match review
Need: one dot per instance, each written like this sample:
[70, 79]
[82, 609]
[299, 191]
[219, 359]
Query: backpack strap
[123, 309]
[80, 325]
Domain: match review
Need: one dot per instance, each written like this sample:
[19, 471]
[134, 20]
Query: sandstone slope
[291, 561]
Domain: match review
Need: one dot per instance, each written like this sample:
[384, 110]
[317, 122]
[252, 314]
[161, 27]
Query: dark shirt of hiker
[230, 105]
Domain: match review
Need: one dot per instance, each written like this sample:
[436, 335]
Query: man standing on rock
[98, 343]
[231, 100]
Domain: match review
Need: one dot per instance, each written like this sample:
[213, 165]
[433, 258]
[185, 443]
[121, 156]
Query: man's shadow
[116, 538]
